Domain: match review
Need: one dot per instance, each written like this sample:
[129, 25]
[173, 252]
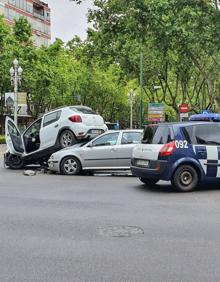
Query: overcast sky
[68, 19]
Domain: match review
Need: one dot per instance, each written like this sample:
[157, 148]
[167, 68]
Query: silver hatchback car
[110, 151]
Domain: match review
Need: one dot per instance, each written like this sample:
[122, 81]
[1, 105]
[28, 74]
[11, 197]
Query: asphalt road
[90, 228]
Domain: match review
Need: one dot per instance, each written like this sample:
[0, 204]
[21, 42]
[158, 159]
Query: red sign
[184, 108]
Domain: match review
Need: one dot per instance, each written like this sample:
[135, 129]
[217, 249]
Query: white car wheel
[67, 139]
[15, 162]
[70, 166]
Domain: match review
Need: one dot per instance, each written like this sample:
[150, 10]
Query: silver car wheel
[70, 166]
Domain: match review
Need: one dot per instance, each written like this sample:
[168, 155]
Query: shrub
[2, 139]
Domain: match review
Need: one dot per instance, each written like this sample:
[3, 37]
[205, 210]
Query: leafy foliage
[60, 74]
[178, 39]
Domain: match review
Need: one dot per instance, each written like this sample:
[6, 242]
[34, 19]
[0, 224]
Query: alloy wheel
[70, 166]
[67, 139]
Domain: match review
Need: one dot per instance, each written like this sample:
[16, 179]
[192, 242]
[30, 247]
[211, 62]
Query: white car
[55, 130]
[110, 151]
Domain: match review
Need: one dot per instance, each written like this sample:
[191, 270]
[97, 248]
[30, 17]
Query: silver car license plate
[142, 163]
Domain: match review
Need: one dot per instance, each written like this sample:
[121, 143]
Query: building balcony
[39, 16]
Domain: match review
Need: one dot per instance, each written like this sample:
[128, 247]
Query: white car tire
[67, 139]
[70, 166]
[15, 162]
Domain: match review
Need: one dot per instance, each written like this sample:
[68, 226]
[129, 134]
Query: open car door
[13, 138]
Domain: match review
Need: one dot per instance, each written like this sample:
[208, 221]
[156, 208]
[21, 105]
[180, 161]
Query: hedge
[2, 139]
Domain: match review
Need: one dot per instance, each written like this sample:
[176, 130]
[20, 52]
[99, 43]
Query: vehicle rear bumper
[157, 170]
[91, 133]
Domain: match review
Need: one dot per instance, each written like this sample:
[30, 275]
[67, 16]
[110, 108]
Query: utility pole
[15, 73]
[141, 88]
[131, 97]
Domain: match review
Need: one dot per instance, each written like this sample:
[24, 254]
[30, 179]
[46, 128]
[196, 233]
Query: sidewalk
[2, 149]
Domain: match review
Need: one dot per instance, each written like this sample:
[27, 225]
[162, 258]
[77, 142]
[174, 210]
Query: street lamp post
[131, 97]
[15, 72]
[156, 87]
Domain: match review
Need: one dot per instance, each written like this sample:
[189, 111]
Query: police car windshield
[154, 134]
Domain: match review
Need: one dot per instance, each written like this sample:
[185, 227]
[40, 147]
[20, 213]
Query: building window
[22, 4]
[11, 15]
[29, 7]
[6, 13]
[48, 16]
[38, 11]
[12, 2]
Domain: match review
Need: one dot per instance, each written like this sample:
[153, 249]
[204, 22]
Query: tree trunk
[216, 4]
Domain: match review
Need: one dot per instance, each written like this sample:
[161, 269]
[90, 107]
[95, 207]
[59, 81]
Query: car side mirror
[90, 145]
[144, 141]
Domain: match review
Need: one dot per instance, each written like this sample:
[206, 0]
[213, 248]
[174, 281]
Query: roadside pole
[131, 98]
[141, 88]
[15, 72]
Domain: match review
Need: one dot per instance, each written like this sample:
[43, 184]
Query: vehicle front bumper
[53, 165]
[155, 170]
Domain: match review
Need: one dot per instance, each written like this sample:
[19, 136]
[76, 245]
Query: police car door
[13, 138]
[207, 147]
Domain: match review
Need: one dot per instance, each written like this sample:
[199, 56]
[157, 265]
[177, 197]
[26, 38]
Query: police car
[185, 153]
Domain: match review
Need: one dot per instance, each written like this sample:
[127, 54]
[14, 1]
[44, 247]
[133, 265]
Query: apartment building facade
[35, 11]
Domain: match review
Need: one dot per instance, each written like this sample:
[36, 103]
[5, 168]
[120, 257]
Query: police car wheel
[148, 181]
[185, 178]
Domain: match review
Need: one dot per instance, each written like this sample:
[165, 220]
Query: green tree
[179, 41]
[22, 31]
